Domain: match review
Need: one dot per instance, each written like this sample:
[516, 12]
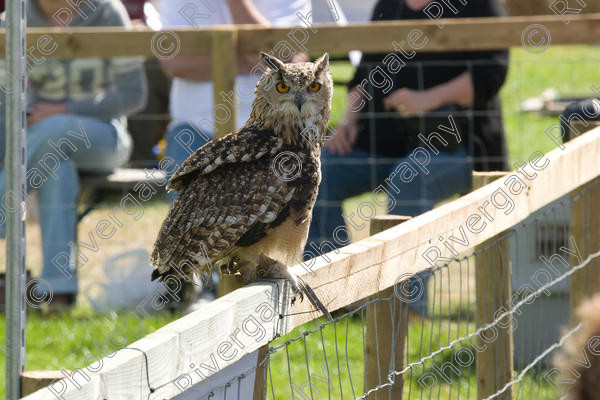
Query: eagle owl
[236, 209]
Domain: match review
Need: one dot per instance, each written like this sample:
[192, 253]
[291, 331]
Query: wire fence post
[493, 291]
[585, 231]
[386, 330]
[15, 181]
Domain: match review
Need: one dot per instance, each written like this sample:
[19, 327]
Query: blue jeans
[182, 140]
[49, 144]
[448, 173]
[346, 176]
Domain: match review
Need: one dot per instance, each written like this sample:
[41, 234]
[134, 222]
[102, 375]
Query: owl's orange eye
[314, 87]
[282, 87]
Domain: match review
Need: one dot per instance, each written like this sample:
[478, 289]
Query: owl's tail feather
[155, 275]
[312, 297]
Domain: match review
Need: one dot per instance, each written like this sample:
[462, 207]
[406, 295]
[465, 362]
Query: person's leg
[182, 140]
[416, 191]
[101, 152]
[56, 147]
[342, 177]
[58, 223]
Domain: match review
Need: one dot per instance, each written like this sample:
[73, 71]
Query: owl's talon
[298, 285]
[312, 297]
[297, 290]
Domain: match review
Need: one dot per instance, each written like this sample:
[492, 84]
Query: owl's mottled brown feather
[229, 149]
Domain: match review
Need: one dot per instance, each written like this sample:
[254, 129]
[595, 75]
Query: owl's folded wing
[233, 206]
[237, 147]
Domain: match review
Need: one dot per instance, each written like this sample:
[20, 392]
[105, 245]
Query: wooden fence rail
[457, 34]
[224, 42]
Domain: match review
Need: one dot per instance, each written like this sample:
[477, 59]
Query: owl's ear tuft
[272, 62]
[322, 64]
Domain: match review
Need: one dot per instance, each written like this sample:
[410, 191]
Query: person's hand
[342, 142]
[41, 111]
[409, 103]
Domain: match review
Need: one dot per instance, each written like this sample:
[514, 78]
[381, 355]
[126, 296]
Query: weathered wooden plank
[482, 178]
[223, 72]
[382, 321]
[111, 42]
[492, 292]
[247, 319]
[585, 230]
[32, 381]
[457, 34]
[89, 391]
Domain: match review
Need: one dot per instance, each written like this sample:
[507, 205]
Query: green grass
[343, 358]
[63, 341]
[572, 70]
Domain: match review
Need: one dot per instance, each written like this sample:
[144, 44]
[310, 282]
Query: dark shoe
[61, 301]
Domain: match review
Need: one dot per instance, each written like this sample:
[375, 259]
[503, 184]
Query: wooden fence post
[223, 73]
[227, 284]
[585, 230]
[32, 381]
[380, 329]
[493, 291]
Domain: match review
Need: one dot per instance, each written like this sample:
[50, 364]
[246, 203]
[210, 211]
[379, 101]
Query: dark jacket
[387, 134]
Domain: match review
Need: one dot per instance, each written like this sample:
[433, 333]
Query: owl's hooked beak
[299, 100]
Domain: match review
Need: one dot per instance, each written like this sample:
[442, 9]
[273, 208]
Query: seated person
[76, 119]
[432, 89]
[456, 84]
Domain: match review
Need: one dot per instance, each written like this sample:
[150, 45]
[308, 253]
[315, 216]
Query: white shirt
[192, 100]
